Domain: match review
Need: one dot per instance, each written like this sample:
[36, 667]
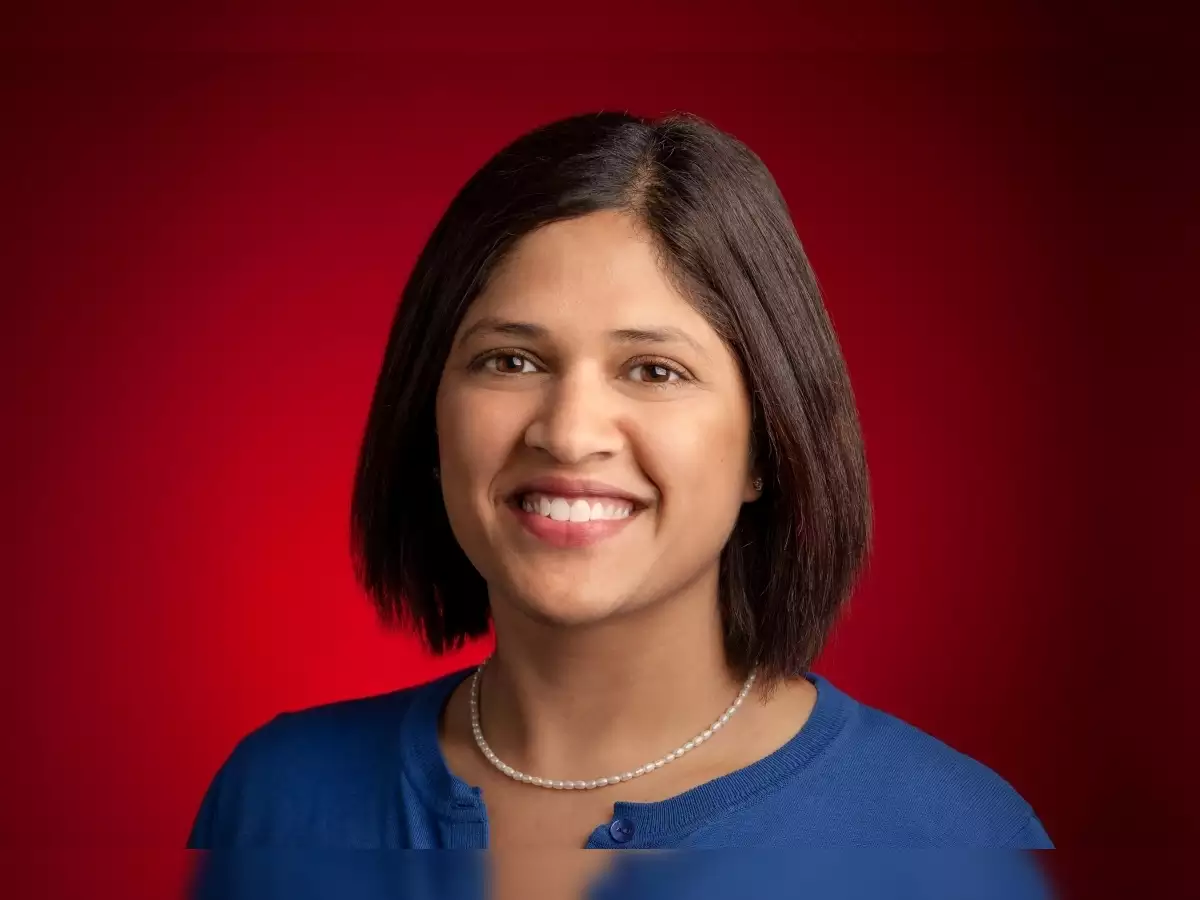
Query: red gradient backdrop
[207, 249]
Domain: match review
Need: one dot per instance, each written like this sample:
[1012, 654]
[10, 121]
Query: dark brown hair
[726, 238]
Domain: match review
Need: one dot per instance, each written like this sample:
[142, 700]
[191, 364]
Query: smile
[576, 509]
[572, 522]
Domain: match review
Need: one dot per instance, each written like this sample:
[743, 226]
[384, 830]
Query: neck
[590, 700]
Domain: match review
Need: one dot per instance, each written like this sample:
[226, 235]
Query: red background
[206, 249]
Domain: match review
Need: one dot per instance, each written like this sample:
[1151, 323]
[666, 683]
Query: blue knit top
[369, 773]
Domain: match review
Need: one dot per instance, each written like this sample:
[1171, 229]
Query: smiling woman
[613, 424]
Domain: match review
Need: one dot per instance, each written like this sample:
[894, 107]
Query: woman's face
[593, 429]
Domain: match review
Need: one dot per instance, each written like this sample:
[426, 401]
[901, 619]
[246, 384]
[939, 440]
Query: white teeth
[581, 511]
[561, 509]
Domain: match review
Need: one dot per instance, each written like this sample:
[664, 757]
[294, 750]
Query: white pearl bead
[670, 756]
[689, 745]
[706, 735]
[600, 782]
[628, 776]
[537, 781]
[639, 772]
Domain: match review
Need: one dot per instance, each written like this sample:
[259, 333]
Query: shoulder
[318, 758]
[934, 793]
[861, 777]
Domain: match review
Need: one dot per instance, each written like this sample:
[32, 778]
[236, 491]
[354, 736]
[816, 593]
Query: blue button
[621, 830]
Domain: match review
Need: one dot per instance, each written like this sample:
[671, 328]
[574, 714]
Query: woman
[613, 423]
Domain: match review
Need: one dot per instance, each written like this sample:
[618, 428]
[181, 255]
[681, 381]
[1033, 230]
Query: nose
[577, 420]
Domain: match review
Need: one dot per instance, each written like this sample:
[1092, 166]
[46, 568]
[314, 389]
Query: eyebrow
[665, 334]
[491, 325]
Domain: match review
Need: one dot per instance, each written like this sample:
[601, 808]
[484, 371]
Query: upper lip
[560, 486]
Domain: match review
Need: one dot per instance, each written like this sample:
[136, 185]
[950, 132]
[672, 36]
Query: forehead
[598, 270]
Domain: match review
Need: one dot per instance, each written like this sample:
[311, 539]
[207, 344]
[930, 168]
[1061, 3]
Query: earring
[757, 484]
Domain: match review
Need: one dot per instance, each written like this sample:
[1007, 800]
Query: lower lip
[569, 534]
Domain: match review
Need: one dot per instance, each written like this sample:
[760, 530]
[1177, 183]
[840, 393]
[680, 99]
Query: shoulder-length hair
[726, 239]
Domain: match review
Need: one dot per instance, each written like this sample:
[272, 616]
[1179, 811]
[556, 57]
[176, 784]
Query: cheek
[477, 431]
[698, 458]
[470, 452]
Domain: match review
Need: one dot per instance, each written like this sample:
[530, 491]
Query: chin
[572, 606]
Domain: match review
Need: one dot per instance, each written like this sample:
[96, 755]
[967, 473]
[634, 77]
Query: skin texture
[608, 655]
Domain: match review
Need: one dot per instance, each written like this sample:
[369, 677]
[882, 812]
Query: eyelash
[682, 375]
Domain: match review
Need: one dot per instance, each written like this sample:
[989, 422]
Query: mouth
[575, 509]
[565, 513]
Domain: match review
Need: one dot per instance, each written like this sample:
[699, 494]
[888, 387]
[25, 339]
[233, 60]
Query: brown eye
[509, 364]
[653, 373]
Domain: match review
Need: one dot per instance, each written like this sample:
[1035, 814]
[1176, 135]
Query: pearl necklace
[598, 782]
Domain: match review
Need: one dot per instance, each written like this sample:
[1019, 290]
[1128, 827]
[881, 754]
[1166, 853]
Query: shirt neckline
[455, 801]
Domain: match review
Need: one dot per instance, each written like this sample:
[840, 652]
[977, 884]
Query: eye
[508, 364]
[655, 373]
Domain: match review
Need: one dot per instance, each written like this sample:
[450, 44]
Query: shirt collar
[454, 801]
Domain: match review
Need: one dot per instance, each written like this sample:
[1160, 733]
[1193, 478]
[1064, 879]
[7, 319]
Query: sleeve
[206, 826]
[1031, 836]
[237, 789]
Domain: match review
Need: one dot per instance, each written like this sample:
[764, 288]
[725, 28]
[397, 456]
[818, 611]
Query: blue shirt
[369, 773]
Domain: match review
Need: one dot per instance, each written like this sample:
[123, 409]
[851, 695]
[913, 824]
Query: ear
[755, 480]
[754, 486]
